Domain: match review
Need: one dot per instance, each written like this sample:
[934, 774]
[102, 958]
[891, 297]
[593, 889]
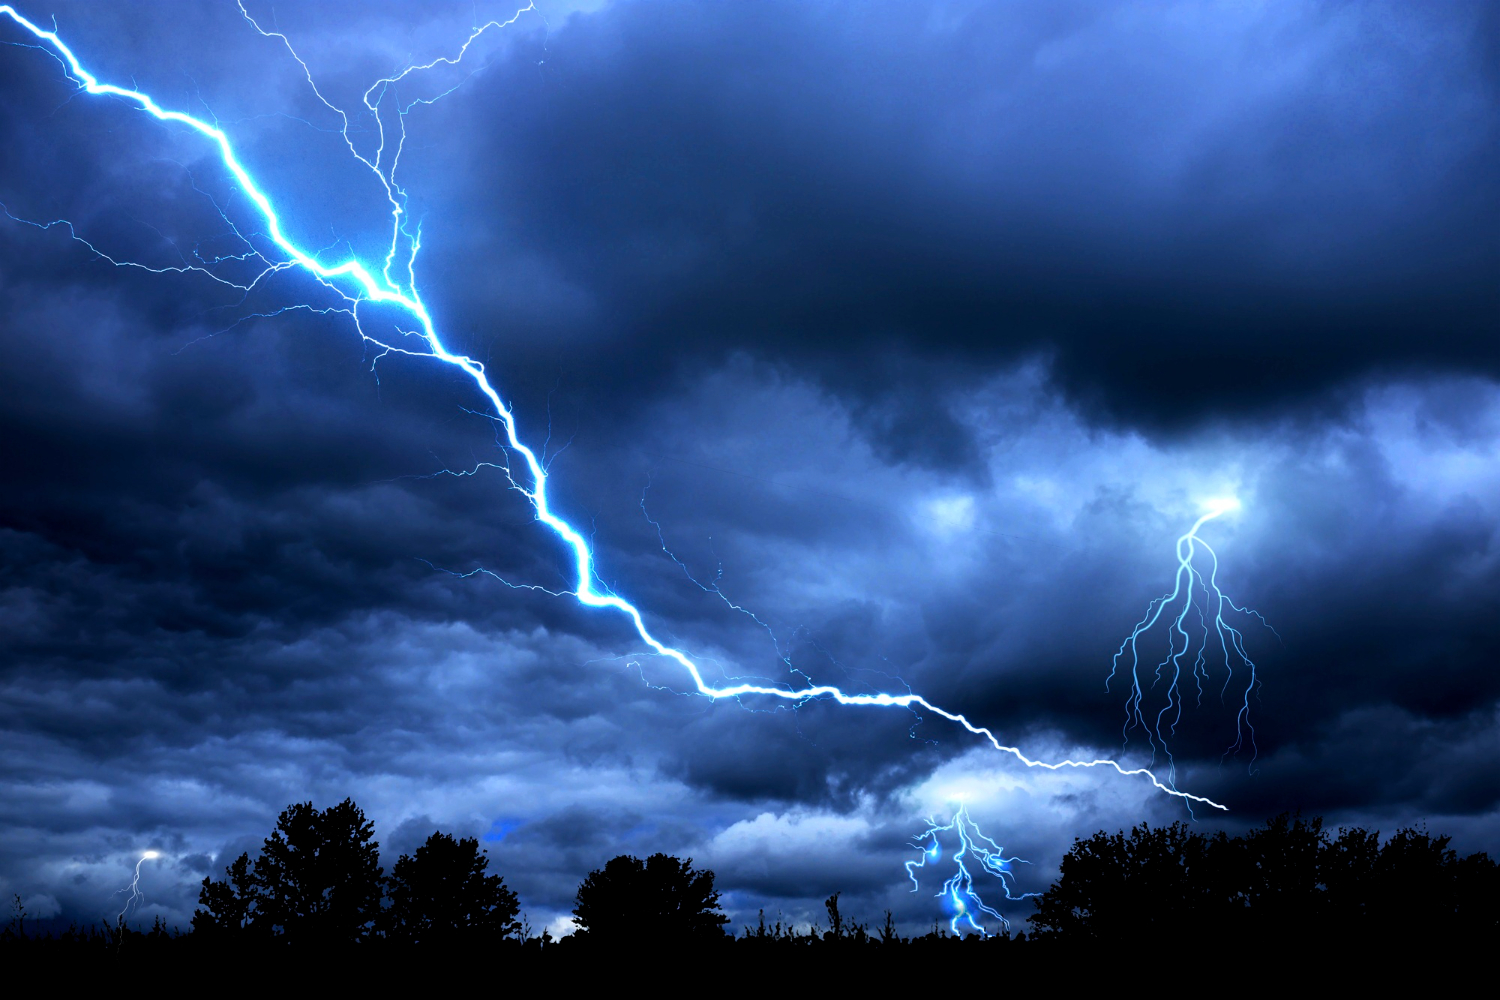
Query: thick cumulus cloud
[1276, 198]
[880, 348]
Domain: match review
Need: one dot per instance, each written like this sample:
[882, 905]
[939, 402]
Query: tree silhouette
[1288, 880]
[318, 878]
[662, 900]
[1146, 882]
[442, 896]
[1277, 870]
[1349, 870]
[229, 905]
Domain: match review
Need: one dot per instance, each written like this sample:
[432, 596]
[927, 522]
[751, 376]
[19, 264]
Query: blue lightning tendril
[392, 284]
[958, 893]
[1192, 594]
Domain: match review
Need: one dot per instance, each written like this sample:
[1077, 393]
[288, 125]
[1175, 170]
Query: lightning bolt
[392, 284]
[134, 898]
[1193, 593]
[958, 894]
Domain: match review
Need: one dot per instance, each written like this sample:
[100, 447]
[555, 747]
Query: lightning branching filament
[960, 898]
[391, 284]
[1192, 614]
[134, 898]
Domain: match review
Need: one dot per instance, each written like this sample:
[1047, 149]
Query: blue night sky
[881, 345]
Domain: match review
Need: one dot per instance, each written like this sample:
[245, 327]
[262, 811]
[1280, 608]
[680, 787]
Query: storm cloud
[882, 345]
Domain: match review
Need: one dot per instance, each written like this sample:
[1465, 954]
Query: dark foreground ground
[941, 964]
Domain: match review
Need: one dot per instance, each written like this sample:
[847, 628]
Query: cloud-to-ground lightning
[1193, 593]
[133, 896]
[958, 894]
[393, 285]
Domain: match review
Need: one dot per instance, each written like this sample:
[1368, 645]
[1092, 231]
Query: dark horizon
[919, 334]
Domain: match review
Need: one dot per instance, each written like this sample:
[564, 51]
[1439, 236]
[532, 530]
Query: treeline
[1289, 880]
[317, 883]
[316, 889]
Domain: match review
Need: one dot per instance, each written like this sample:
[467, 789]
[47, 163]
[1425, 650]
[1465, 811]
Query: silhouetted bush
[660, 900]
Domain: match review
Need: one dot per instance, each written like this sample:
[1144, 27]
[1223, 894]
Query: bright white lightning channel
[134, 898]
[358, 283]
[958, 893]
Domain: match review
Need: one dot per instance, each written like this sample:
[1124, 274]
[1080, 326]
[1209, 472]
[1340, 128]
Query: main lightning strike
[133, 895]
[359, 284]
[958, 893]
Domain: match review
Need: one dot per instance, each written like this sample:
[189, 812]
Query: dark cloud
[1191, 213]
